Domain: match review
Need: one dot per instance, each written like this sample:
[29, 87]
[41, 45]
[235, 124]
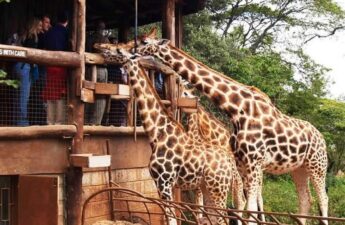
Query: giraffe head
[151, 46]
[127, 46]
[117, 55]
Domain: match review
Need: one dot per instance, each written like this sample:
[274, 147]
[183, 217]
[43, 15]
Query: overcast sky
[331, 53]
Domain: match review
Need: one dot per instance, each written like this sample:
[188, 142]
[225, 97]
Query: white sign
[13, 53]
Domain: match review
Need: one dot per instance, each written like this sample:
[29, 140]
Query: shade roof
[114, 13]
[118, 12]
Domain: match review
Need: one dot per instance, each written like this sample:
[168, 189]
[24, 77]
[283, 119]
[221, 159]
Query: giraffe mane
[153, 90]
[214, 118]
[251, 88]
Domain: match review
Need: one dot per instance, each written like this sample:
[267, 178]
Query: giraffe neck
[156, 120]
[212, 129]
[193, 127]
[231, 96]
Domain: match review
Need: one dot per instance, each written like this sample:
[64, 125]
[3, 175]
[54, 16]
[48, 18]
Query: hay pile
[118, 222]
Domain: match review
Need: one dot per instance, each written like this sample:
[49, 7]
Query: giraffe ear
[163, 42]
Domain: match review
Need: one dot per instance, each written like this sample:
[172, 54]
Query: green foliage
[7, 82]
[336, 196]
[329, 118]
[280, 195]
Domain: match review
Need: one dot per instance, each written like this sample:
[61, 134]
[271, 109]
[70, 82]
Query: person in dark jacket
[54, 92]
[37, 109]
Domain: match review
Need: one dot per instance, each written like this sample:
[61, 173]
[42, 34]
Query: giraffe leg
[316, 166]
[320, 188]
[237, 194]
[219, 201]
[260, 199]
[215, 198]
[166, 193]
[253, 186]
[319, 184]
[199, 200]
[301, 179]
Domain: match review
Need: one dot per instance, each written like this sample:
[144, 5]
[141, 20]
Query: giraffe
[177, 160]
[203, 126]
[263, 138]
[213, 130]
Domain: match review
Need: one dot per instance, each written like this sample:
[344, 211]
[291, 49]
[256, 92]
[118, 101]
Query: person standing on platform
[26, 72]
[54, 92]
[95, 111]
[37, 107]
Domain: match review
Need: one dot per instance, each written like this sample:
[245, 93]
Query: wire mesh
[42, 99]
[39, 99]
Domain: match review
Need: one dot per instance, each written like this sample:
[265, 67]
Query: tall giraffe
[263, 139]
[177, 159]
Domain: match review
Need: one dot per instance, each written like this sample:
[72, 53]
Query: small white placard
[13, 53]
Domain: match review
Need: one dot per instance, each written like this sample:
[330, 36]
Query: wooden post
[74, 175]
[168, 31]
[178, 26]
[168, 21]
[123, 32]
[94, 73]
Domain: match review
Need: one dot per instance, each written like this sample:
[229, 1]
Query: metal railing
[134, 207]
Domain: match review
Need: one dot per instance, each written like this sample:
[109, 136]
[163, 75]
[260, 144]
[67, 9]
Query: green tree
[259, 24]
[329, 118]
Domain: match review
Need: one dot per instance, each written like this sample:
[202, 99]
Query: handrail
[189, 211]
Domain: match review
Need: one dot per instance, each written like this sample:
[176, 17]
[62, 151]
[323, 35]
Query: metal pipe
[136, 27]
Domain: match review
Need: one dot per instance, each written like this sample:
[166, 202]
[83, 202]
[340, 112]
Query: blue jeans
[22, 72]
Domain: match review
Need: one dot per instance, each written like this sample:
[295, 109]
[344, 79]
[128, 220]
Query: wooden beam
[87, 95]
[37, 131]
[113, 131]
[94, 58]
[34, 156]
[189, 110]
[120, 97]
[187, 103]
[90, 161]
[111, 89]
[42, 57]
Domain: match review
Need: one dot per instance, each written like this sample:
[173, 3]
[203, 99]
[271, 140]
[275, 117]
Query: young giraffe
[195, 130]
[177, 159]
[213, 130]
[205, 127]
[263, 139]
